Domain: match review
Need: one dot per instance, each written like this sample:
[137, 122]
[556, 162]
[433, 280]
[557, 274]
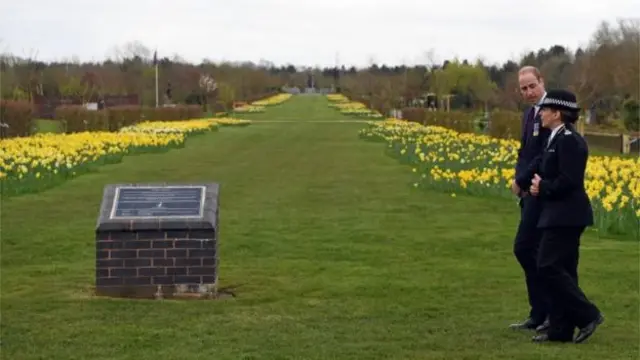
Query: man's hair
[530, 69]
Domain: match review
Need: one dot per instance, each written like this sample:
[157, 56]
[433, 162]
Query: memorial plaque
[158, 241]
[158, 202]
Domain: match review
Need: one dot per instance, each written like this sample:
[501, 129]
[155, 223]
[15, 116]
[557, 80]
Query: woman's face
[549, 117]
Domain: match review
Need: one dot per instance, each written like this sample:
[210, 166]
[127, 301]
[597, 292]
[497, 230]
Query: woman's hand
[535, 185]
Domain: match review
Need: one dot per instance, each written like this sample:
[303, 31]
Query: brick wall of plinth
[137, 264]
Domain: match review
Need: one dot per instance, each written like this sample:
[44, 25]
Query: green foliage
[72, 87]
[464, 79]
[226, 94]
[19, 95]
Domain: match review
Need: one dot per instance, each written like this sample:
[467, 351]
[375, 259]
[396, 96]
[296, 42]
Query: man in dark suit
[533, 140]
[557, 179]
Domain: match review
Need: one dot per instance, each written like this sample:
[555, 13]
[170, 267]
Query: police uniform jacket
[562, 192]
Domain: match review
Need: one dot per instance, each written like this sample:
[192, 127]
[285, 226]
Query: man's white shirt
[536, 108]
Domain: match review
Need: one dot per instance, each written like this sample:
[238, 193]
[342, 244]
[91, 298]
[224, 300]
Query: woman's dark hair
[569, 116]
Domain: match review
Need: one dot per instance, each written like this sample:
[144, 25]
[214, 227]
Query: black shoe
[544, 326]
[588, 330]
[526, 325]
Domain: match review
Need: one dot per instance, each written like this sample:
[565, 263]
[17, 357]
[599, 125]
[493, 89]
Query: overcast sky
[303, 32]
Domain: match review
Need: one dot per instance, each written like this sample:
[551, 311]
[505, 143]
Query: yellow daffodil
[479, 164]
[29, 163]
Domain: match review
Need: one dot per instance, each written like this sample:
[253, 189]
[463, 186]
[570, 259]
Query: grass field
[331, 256]
[47, 126]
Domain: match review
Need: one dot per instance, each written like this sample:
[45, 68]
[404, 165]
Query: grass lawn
[47, 126]
[332, 254]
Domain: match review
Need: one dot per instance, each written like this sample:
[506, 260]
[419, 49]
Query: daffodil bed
[261, 105]
[32, 164]
[272, 100]
[477, 164]
[249, 109]
[347, 107]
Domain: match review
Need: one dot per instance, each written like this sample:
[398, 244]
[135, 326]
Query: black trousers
[526, 249]
[558, 269]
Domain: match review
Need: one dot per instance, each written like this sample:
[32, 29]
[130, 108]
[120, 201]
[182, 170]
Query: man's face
[531, 88]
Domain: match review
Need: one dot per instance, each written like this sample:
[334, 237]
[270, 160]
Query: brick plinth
[158, 258]
[136, 263]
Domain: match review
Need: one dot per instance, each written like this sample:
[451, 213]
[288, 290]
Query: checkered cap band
[568, 104]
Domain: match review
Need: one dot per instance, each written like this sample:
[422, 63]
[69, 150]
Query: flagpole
[155, 62]
[156, 85]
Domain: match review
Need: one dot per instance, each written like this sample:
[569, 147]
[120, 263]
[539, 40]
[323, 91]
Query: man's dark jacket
[532, 143]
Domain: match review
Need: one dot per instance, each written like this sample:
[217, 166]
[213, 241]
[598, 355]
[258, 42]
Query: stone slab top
[159, 206]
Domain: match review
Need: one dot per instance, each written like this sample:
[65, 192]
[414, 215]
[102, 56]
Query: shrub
[178, 112]
[77, 118]
[505, 124]
[16, 118]
[414, 114]
[460, 121]
[122, 116]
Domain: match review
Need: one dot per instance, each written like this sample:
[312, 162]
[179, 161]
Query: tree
[72, 88]
[471, 82]
[608, 69]
[207, 86]
[226, 94]
[441, 83]
[480, 85]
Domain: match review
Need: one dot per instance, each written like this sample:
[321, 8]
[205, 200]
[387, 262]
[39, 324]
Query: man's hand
[535, 185]
[515, 189]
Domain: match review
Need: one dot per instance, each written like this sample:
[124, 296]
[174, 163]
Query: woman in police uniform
[557, 178]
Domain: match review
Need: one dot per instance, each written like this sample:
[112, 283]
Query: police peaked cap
[560, 100]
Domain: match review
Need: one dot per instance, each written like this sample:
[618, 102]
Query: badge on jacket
[536, 129]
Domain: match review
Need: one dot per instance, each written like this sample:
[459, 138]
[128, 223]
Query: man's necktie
[527, 124]
[532, 116]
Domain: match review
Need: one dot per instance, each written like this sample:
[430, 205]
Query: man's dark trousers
[526, 248]
[532, 144]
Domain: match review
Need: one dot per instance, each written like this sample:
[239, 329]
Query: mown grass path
[334, 257]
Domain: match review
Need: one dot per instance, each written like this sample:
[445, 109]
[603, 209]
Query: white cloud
[304, 32]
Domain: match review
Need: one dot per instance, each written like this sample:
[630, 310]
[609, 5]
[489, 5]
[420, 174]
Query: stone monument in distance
[158, 241]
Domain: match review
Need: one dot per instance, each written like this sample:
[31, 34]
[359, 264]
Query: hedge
[77, 118]
[503, 124]
[16, 118]
[122, 116]
[183, 112]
